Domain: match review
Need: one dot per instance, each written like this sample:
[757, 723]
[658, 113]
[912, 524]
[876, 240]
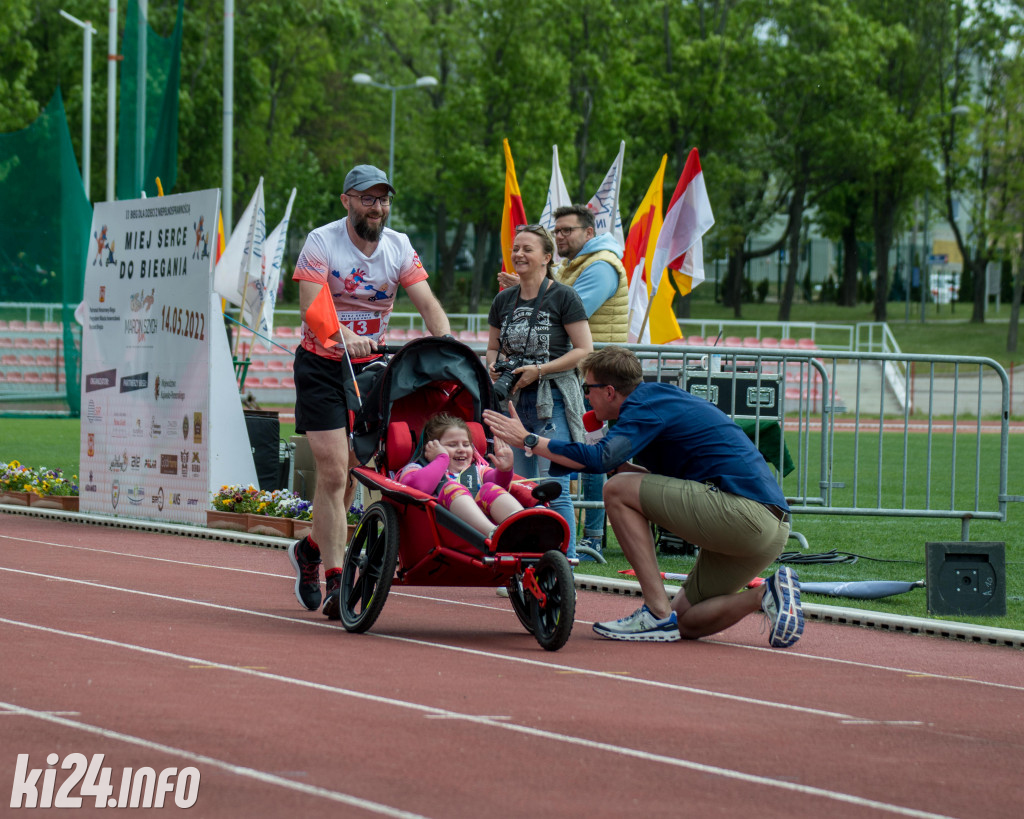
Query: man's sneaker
[590, 550]
[781, 602]
[641, 625]
[307, 574]
[332, 597]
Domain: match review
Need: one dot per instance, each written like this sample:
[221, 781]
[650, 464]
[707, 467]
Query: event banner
[146, 358]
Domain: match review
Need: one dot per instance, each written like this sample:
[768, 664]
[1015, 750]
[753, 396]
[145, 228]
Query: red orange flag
[513, 214]
[322, 318]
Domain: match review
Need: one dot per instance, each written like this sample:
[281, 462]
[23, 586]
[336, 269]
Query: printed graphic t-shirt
[547, 339]
[363, 287]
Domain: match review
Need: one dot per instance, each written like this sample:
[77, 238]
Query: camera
[507, 379]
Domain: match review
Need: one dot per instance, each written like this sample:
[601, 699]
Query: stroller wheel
[520, 601]
[552, 621]
[369, 567]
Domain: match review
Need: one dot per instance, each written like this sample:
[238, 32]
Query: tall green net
[163, 77]
[44, 235]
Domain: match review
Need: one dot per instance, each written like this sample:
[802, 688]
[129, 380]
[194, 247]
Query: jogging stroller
[408, 538]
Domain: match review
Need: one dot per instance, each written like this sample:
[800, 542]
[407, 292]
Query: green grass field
[888, 548]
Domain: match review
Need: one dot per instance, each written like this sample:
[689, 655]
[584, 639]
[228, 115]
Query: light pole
[955, 111]
[87, 32]
[421, 82]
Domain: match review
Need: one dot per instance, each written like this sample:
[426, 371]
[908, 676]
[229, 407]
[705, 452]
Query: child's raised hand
[503, 458]
[432, 450]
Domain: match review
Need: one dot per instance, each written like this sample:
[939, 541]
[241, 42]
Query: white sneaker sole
[639, 636]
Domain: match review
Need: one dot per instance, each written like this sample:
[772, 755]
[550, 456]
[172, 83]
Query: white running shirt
[363, 287]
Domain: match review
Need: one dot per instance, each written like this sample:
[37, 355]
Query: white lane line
[462, 650]
[211, 762]
[428, 710]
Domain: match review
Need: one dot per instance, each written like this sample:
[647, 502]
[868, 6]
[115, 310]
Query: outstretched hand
[503, 459]
[507, 428]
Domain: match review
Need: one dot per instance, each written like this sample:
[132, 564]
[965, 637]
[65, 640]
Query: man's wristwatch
[530, 441]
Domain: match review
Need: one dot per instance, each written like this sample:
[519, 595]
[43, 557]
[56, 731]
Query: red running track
[165, 651]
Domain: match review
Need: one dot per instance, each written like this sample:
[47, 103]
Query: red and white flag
[688, 218]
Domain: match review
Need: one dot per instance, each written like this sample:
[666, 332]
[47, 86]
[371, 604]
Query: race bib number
[364, 324]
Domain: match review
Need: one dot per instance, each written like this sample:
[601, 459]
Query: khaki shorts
[738, 537]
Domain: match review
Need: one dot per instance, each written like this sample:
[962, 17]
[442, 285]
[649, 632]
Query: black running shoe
[307, 574]
[332, 600]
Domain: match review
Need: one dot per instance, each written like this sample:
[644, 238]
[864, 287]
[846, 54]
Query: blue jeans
[535, 467]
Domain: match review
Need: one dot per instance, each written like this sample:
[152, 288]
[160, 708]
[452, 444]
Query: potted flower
[15, 483]
[231, 504]
[51, 490]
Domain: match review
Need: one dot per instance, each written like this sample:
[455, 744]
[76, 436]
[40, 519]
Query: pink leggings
[488, 494]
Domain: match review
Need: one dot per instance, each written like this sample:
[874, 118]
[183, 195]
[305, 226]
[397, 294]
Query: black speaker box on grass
[264, 430]
[966, 578]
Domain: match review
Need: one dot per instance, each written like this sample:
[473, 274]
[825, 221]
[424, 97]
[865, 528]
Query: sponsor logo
[100, 380]
[156, 388]
[137, 431]
[174, 498]
[192, 502]
[155, 429]
[150, 463]
[131, 383]
[103, 293]
[158, 499]
[184, 463]
[119, 425]
[119, 463]
[94, 412]
[91, 444]
[197, 427]
[184, 427]
[136, 495]
[135, 463]
[115, 493]
[196, 468]
[168, 464]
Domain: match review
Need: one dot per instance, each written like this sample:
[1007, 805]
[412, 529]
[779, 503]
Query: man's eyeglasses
[588, 387]
[566, 231]
[369, 201]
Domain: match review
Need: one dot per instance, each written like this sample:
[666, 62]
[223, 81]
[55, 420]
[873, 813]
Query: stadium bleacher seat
[278, 365]
[288, 383]
[807, 344]
[769, 342]
[752, 341]
[695, 341]
[16, 325]
[788, 343]
[270, 383]
[732, 341]
[53, 326]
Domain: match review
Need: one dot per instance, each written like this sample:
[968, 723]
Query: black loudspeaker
[264, 430]
[966, 578]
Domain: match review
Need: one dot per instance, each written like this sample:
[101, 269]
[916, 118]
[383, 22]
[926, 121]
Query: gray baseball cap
[364, 177]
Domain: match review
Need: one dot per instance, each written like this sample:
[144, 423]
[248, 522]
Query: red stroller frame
[408, 538]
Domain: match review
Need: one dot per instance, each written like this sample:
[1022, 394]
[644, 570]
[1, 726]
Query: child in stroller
[452, 469]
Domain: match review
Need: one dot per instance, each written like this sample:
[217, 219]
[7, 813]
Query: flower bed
[280, 513]
[248, 509]
[24, 486]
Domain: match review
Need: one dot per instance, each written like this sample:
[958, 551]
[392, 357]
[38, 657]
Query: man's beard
[365, 232]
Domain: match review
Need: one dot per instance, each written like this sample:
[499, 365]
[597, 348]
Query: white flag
[558, 197]
[240, 268]
[638, 308]
[276, 240]
[605, 203]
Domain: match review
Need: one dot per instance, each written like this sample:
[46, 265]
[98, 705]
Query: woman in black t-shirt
[542, 328]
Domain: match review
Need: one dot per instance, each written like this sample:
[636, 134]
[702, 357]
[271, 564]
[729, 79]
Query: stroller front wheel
[552, 621]
[369, 567]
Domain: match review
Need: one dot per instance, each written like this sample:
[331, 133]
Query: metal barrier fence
[862, 442]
